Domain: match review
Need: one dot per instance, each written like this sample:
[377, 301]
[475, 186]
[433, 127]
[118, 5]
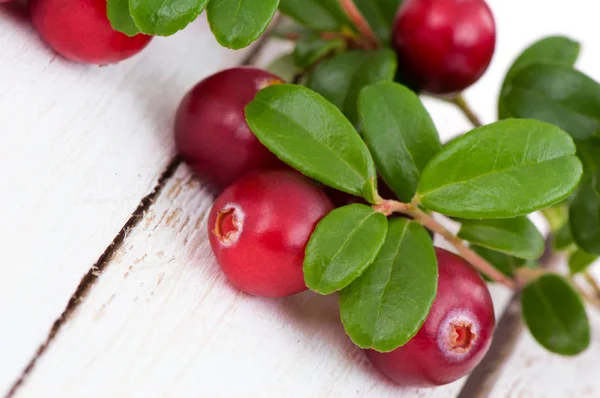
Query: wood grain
[79, 147]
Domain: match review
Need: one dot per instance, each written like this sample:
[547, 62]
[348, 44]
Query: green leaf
[319, 15]
[164, 18]
[579, 261]
[555, 316]
[563, 239]
[120, 17]
[342, 247]
[501, 261]
[518, 236]
[285, 67]
[340, 78]
[556, 94]
[589, 153]
[558, 50]
[237, 23]
[584, 216]
[310, 134]
[557, 215]
[502, 170]
[310, 49]
[380, 16]
[399, 133]
[596, 182]
[385, 307]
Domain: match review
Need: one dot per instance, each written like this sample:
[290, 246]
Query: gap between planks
[137, 216]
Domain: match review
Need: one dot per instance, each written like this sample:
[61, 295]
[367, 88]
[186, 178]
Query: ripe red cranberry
[444, 46]
[79, 30]
[455, 336]
[211, 133]
[259, 228]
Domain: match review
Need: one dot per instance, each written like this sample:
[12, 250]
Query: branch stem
[359, 21]
[430, 223]
[593, 283]
[462, 104]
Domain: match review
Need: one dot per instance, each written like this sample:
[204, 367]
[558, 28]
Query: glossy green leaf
[517, 236]
[320, 15]
[309, 133]
[380, 16]
[311, 48]
[343, 245]
[385, 307]
[579, 261]
[502, 170]
[563, 239]
[340, 78]
[237, 23]
[556, 94]
[558, 50]
[555, 315]
[285, 67]
[502, 262]
[164, 18]
[584, 218]
[400, 134]
[120, 17]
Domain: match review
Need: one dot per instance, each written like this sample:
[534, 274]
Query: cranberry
[80, 31]
[455, 336]
[259, 228]
[211, 133]
[444, 46]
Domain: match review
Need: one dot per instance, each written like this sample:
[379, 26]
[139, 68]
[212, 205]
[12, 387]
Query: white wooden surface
[79, 148]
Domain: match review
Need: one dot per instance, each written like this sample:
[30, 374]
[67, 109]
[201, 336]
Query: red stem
[359, 21]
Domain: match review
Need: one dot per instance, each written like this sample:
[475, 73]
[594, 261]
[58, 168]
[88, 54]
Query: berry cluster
[260, 225]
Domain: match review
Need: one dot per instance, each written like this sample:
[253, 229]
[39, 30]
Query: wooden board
[163, 321]
[80, 146]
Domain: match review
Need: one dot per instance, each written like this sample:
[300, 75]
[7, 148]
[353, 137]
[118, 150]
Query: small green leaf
[579, 261]
[501, 261]
[310, 49]
[556, 94]
[557, 215]
[164, 18]
[310, 134]
[343, 245]
[120, 17]
[340, 79]
[584, 216]
[502, 170]
[285, 67]
[385, 307]
[399, 133]
[518, 236]
[558, 50]
[319, 15]
[589, 153]
[563, 239]
[237, 23]
[380, 16]
[555, 316]
[596, 182]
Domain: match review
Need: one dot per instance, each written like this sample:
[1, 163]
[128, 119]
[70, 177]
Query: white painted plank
[531, 371]
[79, 147]
[162, 321]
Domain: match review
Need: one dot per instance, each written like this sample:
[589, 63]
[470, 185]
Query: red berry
[444, 46]
[259, 228]
[79, 30]
[211, 133]
[455, 336]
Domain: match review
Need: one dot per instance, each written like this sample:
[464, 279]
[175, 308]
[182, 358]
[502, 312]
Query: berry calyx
[80, 31]
[444, 46]
[259, 227]
[455, 336]
[211, 133]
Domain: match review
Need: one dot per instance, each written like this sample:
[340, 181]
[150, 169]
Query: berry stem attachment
[430, 223]
[462, 104]
[359, 21]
